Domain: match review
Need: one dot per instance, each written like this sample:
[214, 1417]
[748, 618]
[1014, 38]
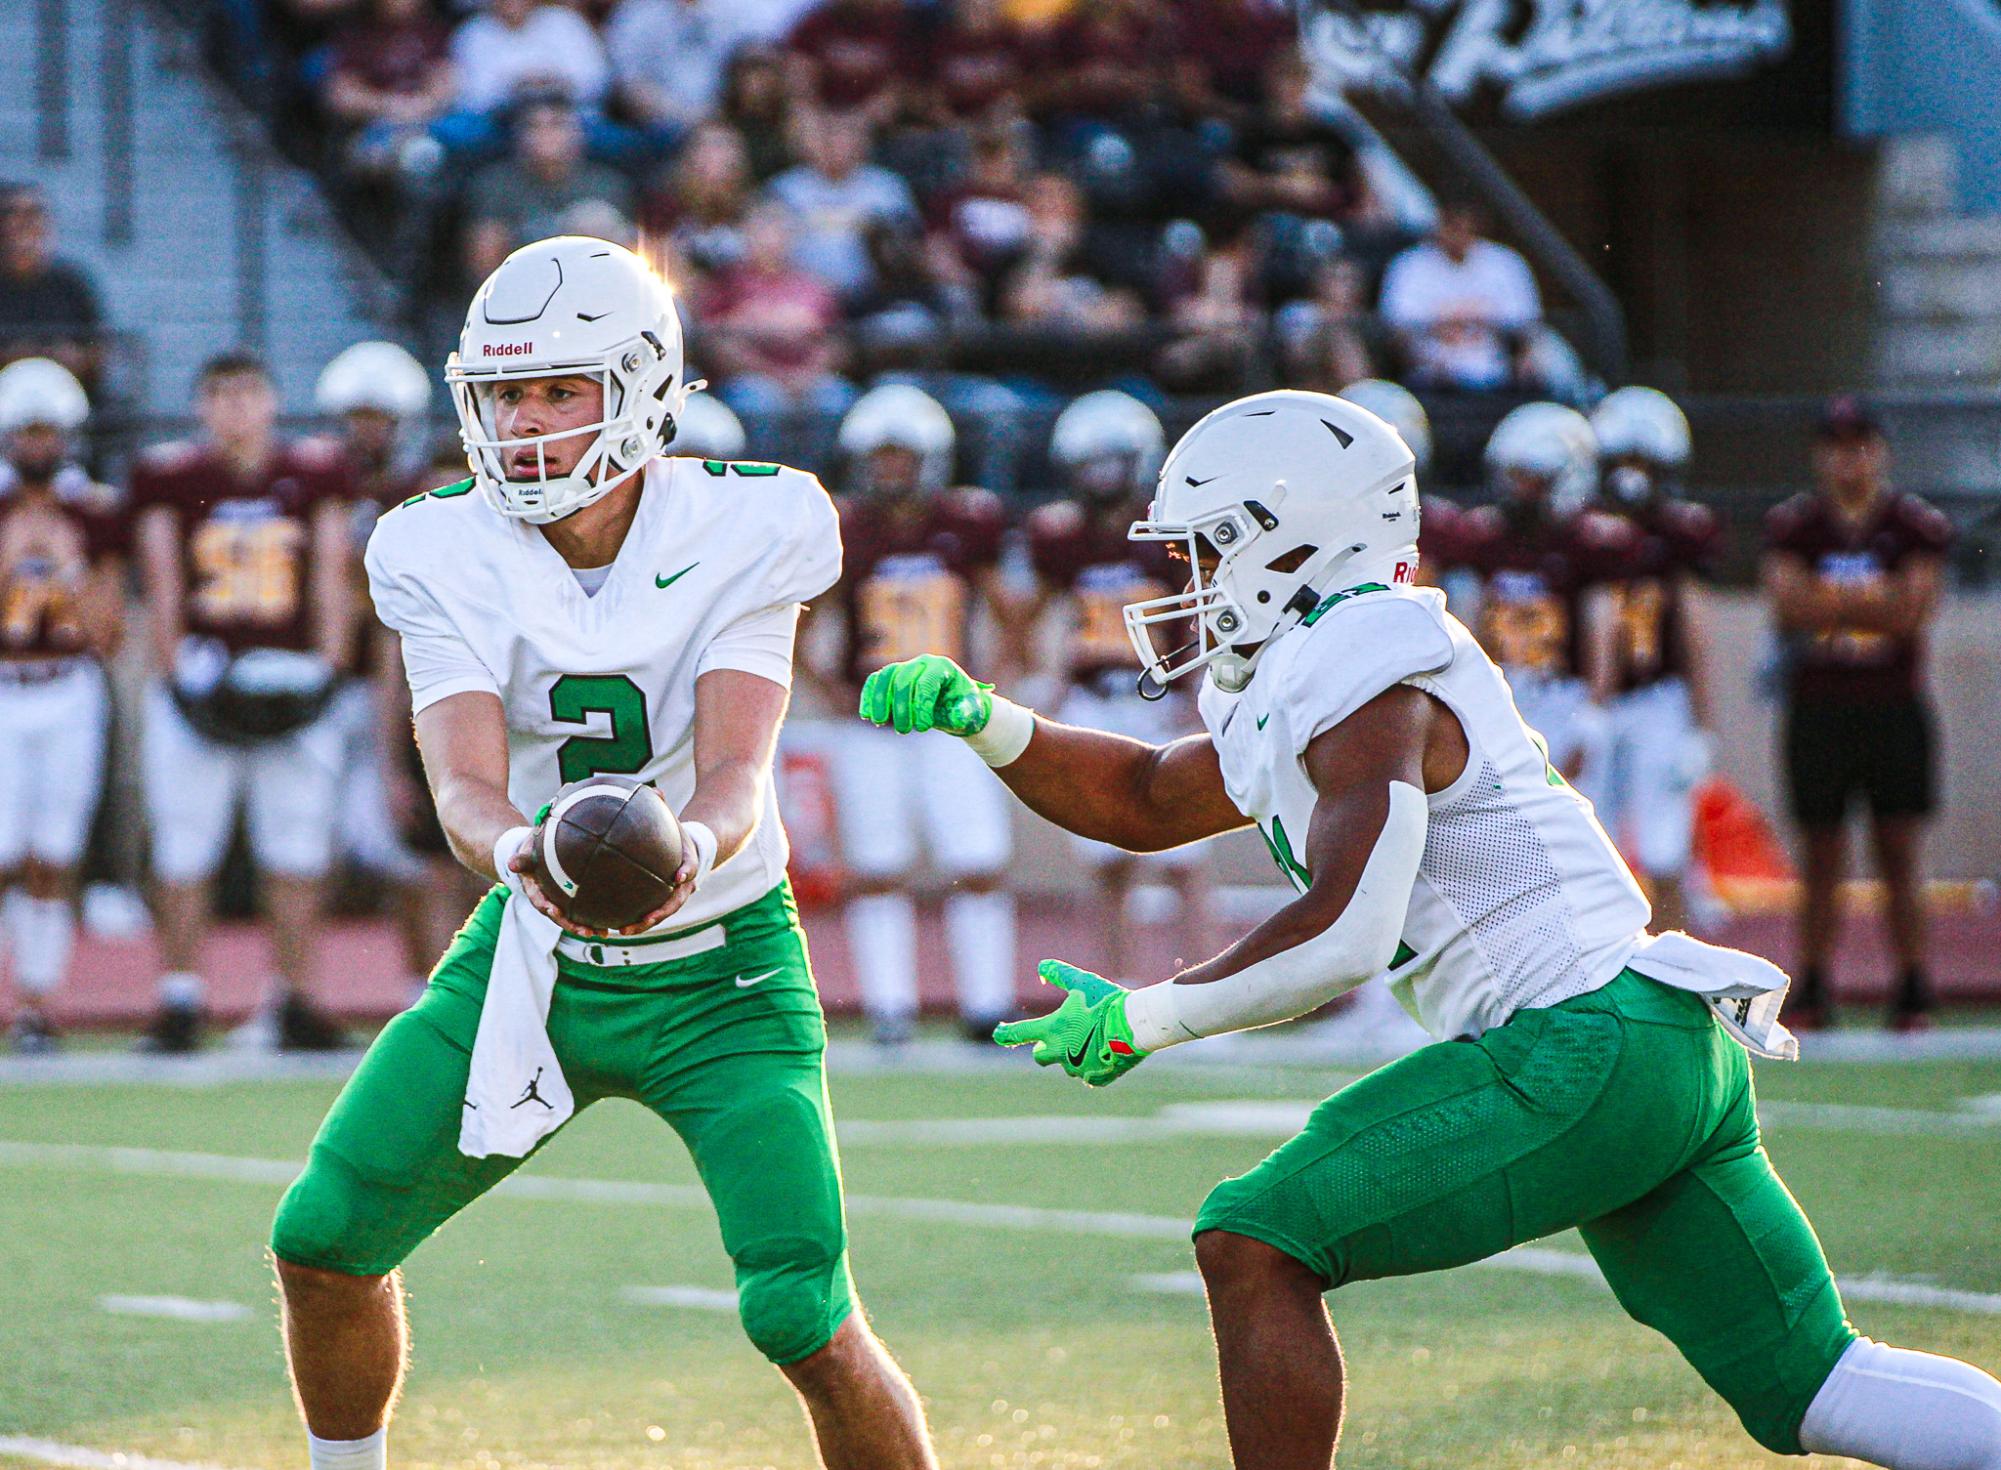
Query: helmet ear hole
[1292, 560]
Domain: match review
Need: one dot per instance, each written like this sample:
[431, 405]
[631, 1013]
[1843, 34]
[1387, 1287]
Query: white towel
[516, 1094]
[1745, 991]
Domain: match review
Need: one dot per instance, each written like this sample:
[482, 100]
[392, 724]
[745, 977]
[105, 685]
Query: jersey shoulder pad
[1354, 646]
[1929, 526]
[316, 452]
[174, 457]
[797, 530]
[1695, 529]
[1789, 518]
[1057, 521]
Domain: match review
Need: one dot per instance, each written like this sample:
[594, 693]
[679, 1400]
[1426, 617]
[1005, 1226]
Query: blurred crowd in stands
[1011, 197]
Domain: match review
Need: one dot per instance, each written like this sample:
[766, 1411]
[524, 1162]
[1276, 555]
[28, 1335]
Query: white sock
[980, 929]
[1907, 1410]
[182, 989]
[350, 1454]
[882, 933]
[43, 939]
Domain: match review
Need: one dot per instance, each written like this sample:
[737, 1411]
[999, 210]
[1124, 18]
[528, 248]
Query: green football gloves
[1088, 1033]
[927, 693]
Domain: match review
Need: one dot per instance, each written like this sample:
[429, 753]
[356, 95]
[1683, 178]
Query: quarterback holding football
[584, 606]
[1588, 1074]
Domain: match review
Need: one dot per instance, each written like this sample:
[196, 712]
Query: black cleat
[33, 1036]
[174, 1031]
[302, 1026]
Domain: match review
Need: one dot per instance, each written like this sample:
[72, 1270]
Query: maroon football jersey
[50, 542]
[246, 544]
[1534, 570]
[1082, 550]
[908, 574]
[1677, 539]
[1441, 530]
[1859, 665]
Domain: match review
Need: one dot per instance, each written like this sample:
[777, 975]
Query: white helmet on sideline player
[1398, 407]
[1292, 495]
[1550, 445]
[709, 429]
[899, 416]
[1107, 444]
[40, 390]
[374, 375]
[1643, 436]
[569, 306]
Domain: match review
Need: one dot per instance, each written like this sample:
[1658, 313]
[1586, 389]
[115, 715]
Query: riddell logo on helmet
[507, 349]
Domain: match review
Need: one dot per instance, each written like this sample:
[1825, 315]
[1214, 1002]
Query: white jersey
[1521, 899]
[710, 576]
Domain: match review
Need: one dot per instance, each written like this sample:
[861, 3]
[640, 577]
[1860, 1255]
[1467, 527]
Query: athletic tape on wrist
[1005, 735]
[505, 847]
[698, 836]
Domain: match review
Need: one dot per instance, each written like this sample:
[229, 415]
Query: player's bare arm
[1112, 788]
[463, 740]
[1402, 736]
[160, 580]
[333, 581]
[1806, 602]
[1692, 631]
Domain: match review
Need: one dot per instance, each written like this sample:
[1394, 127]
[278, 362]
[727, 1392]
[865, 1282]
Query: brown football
[607, 851]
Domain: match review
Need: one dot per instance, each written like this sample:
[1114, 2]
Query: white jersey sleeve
[757, 643]
[1357, 650]
[436, 657]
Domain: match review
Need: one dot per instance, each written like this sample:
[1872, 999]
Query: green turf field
[1019, 1328]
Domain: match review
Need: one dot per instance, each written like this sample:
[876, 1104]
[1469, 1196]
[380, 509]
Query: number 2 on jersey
[574, 698]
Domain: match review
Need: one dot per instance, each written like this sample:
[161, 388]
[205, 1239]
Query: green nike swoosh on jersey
[1261, 721]
[660, 581]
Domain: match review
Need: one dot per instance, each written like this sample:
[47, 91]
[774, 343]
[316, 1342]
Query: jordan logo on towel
[532, 1093]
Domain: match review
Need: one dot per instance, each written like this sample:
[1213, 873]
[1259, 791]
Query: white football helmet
[1108, 444]
[374, 375]
[1292, 495]
[1398, 407]
[40, 390]
[1643, 425]
[709, 429]
[569, 306]
[1550, 443]
[899, 416]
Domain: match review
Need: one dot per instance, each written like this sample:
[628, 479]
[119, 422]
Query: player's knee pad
[316, 1223]
[1276, 1213]
[769, 1165]
[790, 1312]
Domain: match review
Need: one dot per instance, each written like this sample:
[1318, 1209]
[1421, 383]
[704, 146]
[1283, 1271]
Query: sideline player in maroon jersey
[1107, 446]
[920, 562]
[61, 545]
[376, 396]
[1853, 572]
[243, 543]
[1544, 559]
[1658, 745]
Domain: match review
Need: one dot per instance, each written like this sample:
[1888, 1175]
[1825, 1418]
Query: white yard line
[699, 1298]
[1116, 1224]
[51, 1452]
[177, 1308]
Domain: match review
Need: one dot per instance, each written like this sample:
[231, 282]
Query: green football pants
[734, 1068]
[1627, 1113]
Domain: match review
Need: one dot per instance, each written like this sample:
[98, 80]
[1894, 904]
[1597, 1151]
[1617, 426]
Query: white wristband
[505, 847]
[698, 836]
[1155, 1019]
[1006, 734]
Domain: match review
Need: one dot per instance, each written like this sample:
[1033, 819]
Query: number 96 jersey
[246, 543]
[710, 576]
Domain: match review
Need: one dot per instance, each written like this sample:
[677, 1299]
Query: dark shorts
[1882, 753]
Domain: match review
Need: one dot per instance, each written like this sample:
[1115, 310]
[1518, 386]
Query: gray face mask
[1629, 484]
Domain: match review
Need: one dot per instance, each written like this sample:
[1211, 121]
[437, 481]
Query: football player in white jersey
[1591, 1076]
[584, 605]
[61, 550]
